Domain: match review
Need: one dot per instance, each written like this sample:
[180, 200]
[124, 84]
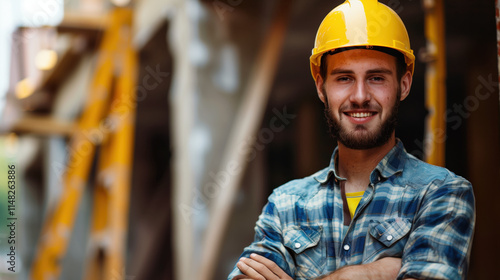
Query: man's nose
[360, 94]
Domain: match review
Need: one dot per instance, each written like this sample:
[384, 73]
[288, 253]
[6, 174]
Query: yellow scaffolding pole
[435, 78]
[111, 197]
[110, 112]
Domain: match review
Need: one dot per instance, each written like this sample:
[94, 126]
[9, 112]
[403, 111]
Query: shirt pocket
[303, 242]
[386, 238]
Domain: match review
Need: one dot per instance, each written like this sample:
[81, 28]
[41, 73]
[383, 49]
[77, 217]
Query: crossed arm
[259, 268]
[438, 247]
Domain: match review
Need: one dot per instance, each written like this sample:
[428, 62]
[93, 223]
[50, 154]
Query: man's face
[361, 93]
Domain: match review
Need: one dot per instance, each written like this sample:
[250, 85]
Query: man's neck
[357, 165]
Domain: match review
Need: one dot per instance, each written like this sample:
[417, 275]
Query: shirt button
[297, 245]
[346, 247]
[389, 237]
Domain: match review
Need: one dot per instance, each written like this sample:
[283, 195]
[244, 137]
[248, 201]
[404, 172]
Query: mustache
[355, 106]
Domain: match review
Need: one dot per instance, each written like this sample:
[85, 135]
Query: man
[376, 212]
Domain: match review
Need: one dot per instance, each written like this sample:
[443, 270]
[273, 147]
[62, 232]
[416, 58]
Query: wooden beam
[62, 70]
[43, 125]
[183, 111]
[246, 125]
[83, 21]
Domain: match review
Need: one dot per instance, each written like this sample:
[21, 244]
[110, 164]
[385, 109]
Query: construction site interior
[143, 137]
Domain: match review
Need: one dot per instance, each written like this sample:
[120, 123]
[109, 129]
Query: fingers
[255, 270]
[260, 268]
[241, 277]
[272, 266]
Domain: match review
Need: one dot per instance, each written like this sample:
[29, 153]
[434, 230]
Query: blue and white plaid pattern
[421, 213]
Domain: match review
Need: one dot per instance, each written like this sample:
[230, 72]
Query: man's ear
[319, 88]
[406, 81]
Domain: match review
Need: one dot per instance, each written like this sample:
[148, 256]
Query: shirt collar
[325, 175]
[390, 165]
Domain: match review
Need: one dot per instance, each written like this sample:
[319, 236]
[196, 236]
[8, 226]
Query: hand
[260, 268]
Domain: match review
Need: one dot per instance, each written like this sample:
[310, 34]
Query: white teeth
[361, 115]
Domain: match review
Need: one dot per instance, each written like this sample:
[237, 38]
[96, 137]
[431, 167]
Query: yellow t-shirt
[353, 200]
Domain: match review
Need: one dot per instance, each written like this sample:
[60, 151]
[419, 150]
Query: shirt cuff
[234, 273]
[429, 270]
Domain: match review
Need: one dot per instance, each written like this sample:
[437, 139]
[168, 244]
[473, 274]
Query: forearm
[386, 268]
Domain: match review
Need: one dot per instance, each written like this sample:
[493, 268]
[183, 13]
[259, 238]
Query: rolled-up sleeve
[268, 241]
[440, 241]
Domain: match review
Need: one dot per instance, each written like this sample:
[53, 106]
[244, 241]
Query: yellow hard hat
[361, 23]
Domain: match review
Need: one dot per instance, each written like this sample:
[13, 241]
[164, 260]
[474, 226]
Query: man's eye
[343, 79]
[377, 79]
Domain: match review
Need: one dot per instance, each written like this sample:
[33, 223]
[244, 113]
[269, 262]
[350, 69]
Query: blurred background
[146, 135]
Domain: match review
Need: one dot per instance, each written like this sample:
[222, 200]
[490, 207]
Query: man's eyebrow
[341, 71]
[379, 71]
[371, 71]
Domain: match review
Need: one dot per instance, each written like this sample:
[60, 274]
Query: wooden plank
[44, 126]
[84, 21]
[183, 111]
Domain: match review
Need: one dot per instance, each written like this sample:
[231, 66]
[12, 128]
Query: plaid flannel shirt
[412, 210]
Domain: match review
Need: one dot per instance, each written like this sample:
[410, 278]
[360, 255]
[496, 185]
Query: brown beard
[369, 140]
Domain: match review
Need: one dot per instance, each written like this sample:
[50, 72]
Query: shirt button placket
[345, 254]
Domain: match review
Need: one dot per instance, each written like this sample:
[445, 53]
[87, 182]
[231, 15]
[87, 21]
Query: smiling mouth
[360, 114]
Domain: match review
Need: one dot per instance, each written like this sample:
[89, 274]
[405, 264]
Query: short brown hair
[401, 67]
